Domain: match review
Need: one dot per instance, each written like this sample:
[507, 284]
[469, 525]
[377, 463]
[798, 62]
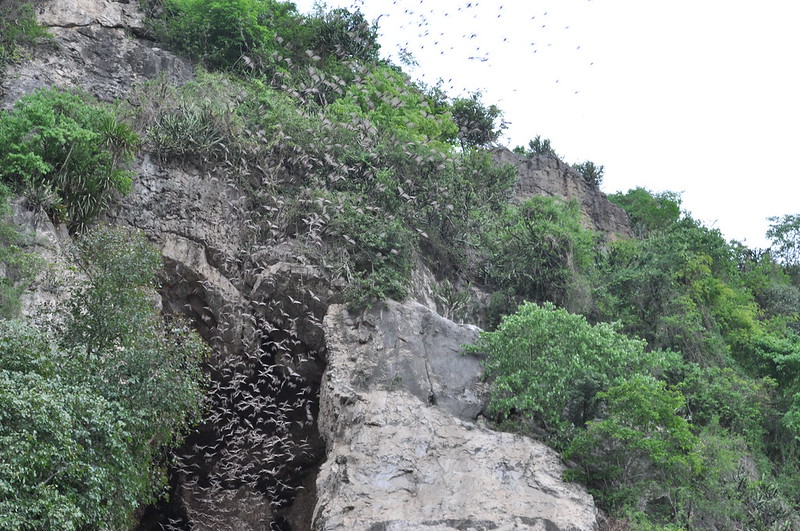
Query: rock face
[97, 46]
[51, 244]
[549, 176]
[396, 408]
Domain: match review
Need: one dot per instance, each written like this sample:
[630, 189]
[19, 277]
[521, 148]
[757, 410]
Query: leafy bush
[642, 438]
[86, 414]
[548, 364]
[96, 407]
[268, 36]
[720, 396]
[227, 34]
[379, 252]
[71, 149]
[344, 34]
[120, 340]
[590, 172]
[784, 233]
[17, 267]
[648, 211]
[676, 290]
[67, 460]
[536, 148]
[388, 99]
[537, 249]
[198, 121]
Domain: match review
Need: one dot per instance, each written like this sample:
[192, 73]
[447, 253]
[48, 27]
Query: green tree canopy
[477, 123]
[548, 364]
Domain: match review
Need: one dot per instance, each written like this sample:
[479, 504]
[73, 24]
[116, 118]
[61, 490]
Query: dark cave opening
[254, 458]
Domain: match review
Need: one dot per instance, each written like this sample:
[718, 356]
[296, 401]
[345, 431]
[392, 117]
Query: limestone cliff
[549, 176]
[319, 420]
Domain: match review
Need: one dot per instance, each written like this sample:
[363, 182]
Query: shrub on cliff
[65, 153]
[86, 413]
[17, 265]
[477, 123]
[547, 365]
[538, 249]
[266, 36]
[591, 172]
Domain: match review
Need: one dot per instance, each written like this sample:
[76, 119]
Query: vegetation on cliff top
[684, 413]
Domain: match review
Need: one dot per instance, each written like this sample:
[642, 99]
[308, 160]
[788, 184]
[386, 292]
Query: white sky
[693, 96]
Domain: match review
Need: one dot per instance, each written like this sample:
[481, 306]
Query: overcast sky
[692, 96]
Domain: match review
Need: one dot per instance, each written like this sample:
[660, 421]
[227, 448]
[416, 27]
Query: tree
[536, 148]
[591, 173]
[640, 439]
[124, 347]
[476, 122]
[86, 414]
[538, 248]
[648, 211]
[67, 459]
[785, 235]
[345, 34]
[547, 364]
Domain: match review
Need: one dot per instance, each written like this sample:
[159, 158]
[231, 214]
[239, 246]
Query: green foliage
[198, 121]
[674, 289]
[548, 364]
[649, 212]
[66, 449]
[85, 414]
[476, 122]
[537, 249]
[67, 150]
[132, 356]
[387, 98]
[720, 396]
[379, 252]
[228, 34]
[268, 36]
[18, 28]
[344, 34]
[784, 232]
[538, 147]
[642, 438]
[592, 173]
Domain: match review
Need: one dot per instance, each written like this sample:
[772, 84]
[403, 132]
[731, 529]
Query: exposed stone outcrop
[56, 273]
[398, 455]
[549, 176]
[97, 46]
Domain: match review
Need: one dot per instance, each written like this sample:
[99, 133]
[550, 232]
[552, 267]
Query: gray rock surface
[395, 461]
[549, 176]
[56, 275]
[96, 47]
